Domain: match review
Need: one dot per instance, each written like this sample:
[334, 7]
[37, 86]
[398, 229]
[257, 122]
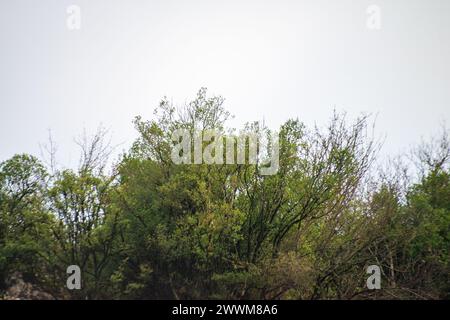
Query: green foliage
[155, 230]
[24, 218]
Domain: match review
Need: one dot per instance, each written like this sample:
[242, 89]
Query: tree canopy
[152, 229]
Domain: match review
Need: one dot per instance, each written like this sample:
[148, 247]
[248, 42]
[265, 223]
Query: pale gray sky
[269, 59]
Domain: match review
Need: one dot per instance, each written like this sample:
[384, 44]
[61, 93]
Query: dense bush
[153, 230]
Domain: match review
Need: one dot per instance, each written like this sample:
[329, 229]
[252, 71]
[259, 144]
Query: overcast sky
[271, 60]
